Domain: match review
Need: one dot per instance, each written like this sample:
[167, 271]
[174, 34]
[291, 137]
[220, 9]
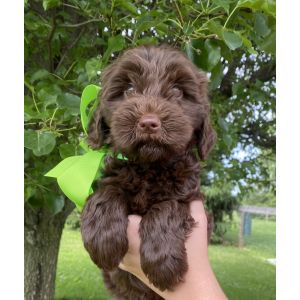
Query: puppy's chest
[143, 187]
[150, 188]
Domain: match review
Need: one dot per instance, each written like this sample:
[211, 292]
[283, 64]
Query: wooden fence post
[241, 234]
[245, 213]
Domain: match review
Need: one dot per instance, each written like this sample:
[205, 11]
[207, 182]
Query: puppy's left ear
[206, 135]
[96, 130]
[206, 138]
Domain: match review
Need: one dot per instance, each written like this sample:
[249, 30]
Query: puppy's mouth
[148, 147]
[150, 150]
[149, 138]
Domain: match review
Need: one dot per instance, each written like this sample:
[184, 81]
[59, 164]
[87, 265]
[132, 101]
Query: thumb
[198, 212]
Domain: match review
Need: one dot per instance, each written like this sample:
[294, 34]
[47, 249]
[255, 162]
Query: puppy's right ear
[206, 138]
[206, 135]
[96, 130]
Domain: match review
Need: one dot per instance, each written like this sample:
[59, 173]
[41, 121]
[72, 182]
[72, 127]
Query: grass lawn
[243, 274]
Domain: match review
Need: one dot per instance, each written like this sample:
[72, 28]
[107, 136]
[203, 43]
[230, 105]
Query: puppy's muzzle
[149, 123]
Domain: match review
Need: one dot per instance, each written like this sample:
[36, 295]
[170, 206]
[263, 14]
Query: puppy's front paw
[111, 252]
[104, 230]
[164, 266]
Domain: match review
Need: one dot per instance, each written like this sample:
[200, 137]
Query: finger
[133, 233]
[133, 225]
[198, 238]
[122, 266]
[135, 219]
[197, 211]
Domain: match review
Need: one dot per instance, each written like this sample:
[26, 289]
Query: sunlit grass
[77, 277]
[244, 274]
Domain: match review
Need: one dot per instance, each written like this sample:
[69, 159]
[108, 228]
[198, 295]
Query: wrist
[199, 283]
[195, 280]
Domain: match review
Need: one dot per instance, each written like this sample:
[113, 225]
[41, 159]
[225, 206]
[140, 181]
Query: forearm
[199, 284]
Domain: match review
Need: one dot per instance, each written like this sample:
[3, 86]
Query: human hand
[199, 281]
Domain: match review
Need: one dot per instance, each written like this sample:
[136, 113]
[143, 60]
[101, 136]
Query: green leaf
[36, 201]
[215, 28]
[62, 166]
[223, 124]
[226, 52]
[162, 28]
[76, 174]
[214, 53]
[69, 101]
[232, 40]
[84, 145]
[30, 139]
[47, 4]
[199, 54]
[144, 23]
[269, 44]
[48, 95]
[267, 6]
[228, 140]
[89, 94]
[147, 40]
[66, 150]
[27, 117]
[115, 44]
[29, 113]
[128, 6]
[29, 192]
[223, 3]
[38, 75]
[216, 76]
[41, 143]
[261, 24]
[237, 88]
[187, 28]
[55, 203]
[189, 50]
[247, 43]
[92, 66]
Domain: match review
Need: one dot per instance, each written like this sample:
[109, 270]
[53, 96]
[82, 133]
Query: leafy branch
[69, 47]
[49, 42]
[80, 24]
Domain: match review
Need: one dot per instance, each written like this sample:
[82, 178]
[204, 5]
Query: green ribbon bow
[76, 174]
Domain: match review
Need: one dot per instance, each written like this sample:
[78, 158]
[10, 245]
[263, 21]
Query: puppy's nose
[149, 123]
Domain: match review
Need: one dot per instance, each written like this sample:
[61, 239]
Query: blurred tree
[67, 45]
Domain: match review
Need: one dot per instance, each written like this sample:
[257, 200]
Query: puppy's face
[153, 106]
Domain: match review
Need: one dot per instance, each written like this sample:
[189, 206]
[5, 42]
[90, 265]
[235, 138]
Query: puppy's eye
[130, 89]
[177, 91]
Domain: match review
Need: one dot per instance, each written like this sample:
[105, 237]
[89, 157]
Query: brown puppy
[155, 111]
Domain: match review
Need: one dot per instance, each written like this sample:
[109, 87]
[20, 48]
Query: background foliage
[69, 43]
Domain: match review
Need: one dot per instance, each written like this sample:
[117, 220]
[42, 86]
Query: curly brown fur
[154, 110]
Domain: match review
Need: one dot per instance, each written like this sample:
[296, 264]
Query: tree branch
[265, 73]
[80, 24]
[260, 136]
[226, 84]
[69, 48]
[49, 41]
